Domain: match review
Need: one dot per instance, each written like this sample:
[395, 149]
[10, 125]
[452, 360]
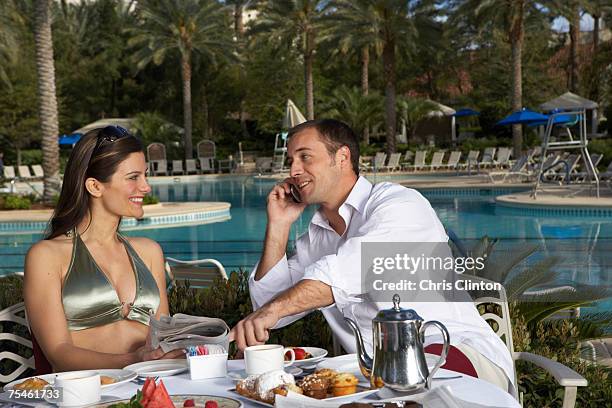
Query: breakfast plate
[362, 393]
[317, 354]
[159, 368]
[117, 376]
[238, 375]
[199, 401]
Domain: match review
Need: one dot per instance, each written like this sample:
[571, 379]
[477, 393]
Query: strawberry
[211, 404]
[189, 403]
[300, 353]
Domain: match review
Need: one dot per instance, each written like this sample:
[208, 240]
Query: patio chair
[503, 157]
[519, 168]
[177, 167]
[263, 164]
[587, 174]
[408, 158]
[500, 322]
[487, 157]
[471, 160]
[38, 171]
[15, 317]
[9, 173]
[562, 169]
[199, 273]
[453, 160]
[24, 173]
[393, 162]
[436, 160]
[419, 160]
[191, 167]
[605, 176]
[206, 155]
[379, 161]
[156, 154]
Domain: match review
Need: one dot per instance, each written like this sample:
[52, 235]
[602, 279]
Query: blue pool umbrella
[557, 120]
[465, 112]
[69, 140]
[524, 116]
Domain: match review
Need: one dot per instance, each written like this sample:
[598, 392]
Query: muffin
[314, 386]
[285, 388]
[326, 373]
[344, 384]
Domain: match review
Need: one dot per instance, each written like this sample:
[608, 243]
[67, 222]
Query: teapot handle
[445, 347]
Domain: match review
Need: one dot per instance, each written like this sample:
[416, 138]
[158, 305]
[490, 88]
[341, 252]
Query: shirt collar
[357, 199]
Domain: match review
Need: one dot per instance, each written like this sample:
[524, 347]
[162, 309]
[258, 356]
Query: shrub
[150, 199]
[16, 202]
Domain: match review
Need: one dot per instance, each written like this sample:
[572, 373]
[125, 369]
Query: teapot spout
[365, 361]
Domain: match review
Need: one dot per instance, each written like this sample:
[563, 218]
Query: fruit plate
[317, 354]
[361, 393]
[199, 400]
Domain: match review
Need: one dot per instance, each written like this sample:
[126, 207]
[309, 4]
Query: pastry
[326, 373]
[344, 384]
[246, 387]
[105, 380]
[32, 384]
[285, 388]
[265, 383]
[314, 386]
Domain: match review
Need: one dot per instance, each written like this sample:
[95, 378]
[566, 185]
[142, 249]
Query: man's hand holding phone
[284, 204]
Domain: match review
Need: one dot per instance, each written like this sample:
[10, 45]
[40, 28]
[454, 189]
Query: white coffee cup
[266, 357]
[75, 388]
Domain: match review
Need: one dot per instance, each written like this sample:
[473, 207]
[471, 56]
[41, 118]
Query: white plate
[345, 398]
[200, 400]
[238, 375]
[159, 368]
[121, 376]
[318, 354]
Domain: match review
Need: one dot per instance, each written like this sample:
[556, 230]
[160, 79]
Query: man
[325, 271]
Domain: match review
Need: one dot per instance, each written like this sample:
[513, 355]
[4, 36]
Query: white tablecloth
[466, 388]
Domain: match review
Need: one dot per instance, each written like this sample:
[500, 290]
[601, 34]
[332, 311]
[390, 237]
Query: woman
[89, 291]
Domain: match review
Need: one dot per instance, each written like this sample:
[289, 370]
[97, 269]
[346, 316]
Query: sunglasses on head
[109, 134]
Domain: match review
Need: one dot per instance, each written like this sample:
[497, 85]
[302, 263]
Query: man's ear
[344, 156]
[94, 187]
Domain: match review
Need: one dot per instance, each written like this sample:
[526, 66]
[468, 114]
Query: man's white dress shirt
[385, 212]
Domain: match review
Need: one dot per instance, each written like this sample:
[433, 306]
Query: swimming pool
[583, 245]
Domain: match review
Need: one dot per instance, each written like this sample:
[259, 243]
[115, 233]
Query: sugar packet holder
[210, 365]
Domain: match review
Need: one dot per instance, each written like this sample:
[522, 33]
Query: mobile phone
[295, 194]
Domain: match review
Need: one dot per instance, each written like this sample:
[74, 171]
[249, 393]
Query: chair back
[38, 171]
[206, 148]
[473, 156]
[9, 172]
[394, 160]
[487, 156]
[493, 307]
[419, 158]
[177, 166]
[520, 164]
[453, 159]
[436, 160]
[15, 315]
[199, 273]
[24, 172]
[156, 151]
[190, 166]
[503, 155]
[379, 160]
[263, 164]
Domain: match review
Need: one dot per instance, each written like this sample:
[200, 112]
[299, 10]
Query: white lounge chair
[207, 152]
[419, 160]
[38, 171]
[408, 157]
[191, 167]
[503, 157]
[13, 315]
[24, 173]
[471, 161]
[393, 162]
[436, 160]
[9, 173]
[177, 167]
[563, 168]
[379, 161]
[453, 160]
[199, 273]
[519, 168]
[487, 157]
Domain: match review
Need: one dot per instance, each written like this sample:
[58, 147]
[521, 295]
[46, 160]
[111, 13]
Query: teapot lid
[396, 313]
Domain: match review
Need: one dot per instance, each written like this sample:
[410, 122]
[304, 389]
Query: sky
[561, 23]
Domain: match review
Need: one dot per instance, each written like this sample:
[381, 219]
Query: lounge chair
[199, 273]
[436, 160]
[177, 167]
[393, 162]
[207, 164]
[408, 158]
[24, 173]
[562, 169]
[606, 175]
[10, 319]
[453, 160]
[207, 152]
[587, 174]
[191, 167]
[419, 160]
[503, 157]
[263, 164]
[519, 168]
[38, 171]
[156, 153]
[487, 157]
[497, 313]
[471, 161]
[379, 161]
[9, 173]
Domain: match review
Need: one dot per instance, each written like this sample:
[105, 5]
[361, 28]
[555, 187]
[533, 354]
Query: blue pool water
[583, 245]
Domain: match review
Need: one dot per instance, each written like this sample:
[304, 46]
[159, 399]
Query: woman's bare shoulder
[49, 253]
[145, 246]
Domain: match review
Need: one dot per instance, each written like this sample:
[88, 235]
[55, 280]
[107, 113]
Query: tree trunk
[238, 23]
[574, 33]
[390, 112]
[47, 101]
[516, 42]
[365, 87]
[308, 58]
[205, 124]
[595, 35]
[187, 124]
[594, 82]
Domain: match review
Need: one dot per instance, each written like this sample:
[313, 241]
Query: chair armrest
[564, 375]
[201, 261]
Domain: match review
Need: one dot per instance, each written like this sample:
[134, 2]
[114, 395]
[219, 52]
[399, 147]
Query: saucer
[241, 374]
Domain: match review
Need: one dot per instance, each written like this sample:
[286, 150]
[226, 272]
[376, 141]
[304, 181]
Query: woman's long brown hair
[89, 158]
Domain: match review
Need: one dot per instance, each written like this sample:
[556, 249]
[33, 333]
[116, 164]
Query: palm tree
[345, 32]
[510, 16]
[47, 101]
[184, 27]
[294, 23]
[351, 106]
[412, 110]
[8, 38]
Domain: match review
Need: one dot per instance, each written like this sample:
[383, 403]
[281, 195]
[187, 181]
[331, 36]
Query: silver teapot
[399, 360]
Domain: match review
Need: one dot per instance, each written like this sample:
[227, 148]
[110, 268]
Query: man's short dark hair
[334, 134]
